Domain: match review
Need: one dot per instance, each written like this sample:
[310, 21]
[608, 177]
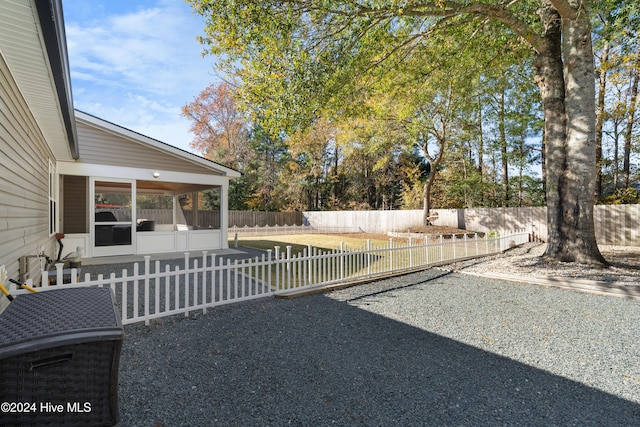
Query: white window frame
[53, 199]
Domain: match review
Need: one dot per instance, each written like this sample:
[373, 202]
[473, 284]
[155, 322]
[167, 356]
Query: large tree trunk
[568, 96]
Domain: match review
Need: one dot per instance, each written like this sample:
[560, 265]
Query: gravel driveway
[430, 348]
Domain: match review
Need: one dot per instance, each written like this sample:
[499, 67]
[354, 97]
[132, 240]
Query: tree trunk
[631, 111]
[616, 156]
[543, 156]
[570, 134]
[480, 150]
[427, 197]
[503, 150]
[602, 86]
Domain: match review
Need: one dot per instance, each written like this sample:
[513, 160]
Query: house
[108, 189]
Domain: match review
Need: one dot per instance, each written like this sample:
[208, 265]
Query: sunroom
[129, 194]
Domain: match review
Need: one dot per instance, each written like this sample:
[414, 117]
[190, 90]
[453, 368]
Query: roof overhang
[169, 150]
[33, 43]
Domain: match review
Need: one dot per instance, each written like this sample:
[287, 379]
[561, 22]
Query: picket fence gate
[152, 291]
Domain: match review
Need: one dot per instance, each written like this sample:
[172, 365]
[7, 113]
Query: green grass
[378, 261]
[299, 242]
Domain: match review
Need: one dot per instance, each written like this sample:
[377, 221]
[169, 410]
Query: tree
[219, 128]
[297, 55]
[264, 170]
[617, 42]
[431, 128]
[308, 168]
[370, 147]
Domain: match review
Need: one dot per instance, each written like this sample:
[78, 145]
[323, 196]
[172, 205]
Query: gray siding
[104, 148]
[24, 180]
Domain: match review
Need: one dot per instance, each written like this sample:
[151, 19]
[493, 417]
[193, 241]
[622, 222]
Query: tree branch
[565, 9]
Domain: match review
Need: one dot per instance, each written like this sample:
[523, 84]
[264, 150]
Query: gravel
[430, 348]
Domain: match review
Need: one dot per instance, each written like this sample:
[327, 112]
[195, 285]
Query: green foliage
[348, 103]
[154, 201]
[623, 196]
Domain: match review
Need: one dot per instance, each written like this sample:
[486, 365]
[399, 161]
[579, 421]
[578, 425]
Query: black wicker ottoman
[59, 357]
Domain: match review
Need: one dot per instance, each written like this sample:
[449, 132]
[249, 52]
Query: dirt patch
[366, 236]
[436, 229]
[433, 230]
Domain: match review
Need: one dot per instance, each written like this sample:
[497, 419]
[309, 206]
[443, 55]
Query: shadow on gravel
[315, 361]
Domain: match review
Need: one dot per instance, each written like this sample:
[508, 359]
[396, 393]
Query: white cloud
[138, 68]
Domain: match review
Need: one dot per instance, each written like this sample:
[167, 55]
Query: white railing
[209, 281]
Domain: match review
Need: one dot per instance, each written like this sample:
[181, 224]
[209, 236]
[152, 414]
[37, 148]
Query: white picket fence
[151, 291]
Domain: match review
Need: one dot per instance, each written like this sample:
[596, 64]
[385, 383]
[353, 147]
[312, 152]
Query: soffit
[92, 142]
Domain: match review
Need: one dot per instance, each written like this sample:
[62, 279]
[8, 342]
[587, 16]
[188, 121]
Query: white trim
[154, 242]
[116, 249]
[224, 215]
[121, 172]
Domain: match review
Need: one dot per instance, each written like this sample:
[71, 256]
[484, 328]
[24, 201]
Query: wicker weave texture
[59, 356]
[71, 376]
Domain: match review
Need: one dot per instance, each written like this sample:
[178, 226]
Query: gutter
[52, 24]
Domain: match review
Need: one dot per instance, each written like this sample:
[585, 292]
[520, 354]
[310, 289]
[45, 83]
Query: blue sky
[136, 63]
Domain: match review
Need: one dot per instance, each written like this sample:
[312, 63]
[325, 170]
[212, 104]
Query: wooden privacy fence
[276, 230]
[261, 219]
[236, 218]
[154, 291]
[614, 224]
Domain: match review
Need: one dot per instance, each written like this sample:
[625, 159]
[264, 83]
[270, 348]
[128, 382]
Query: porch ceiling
[172, 187]
[152, 187]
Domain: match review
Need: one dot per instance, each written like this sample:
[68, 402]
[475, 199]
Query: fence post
[266, 278]
[288, 260]
[186, 284]
[486, 242]
[475, 237]
[310, 256]
[125, 286]
[146, 289]
[196, 267]
[410, 252]
[425, 242]
[342, 261]
[235, 279]
[136, 292]
[368, 257]
[466, 249]
[204, 282]
[277, 264]
[59, 273]
[454, 242]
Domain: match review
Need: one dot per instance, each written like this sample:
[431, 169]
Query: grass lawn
[298, 242]
[354, 263]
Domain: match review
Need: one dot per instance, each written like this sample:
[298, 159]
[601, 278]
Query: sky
[136, 63]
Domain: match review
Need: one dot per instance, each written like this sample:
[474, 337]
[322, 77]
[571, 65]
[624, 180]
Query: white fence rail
[155, 291]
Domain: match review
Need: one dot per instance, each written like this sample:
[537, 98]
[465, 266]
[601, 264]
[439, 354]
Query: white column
[224, 215]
